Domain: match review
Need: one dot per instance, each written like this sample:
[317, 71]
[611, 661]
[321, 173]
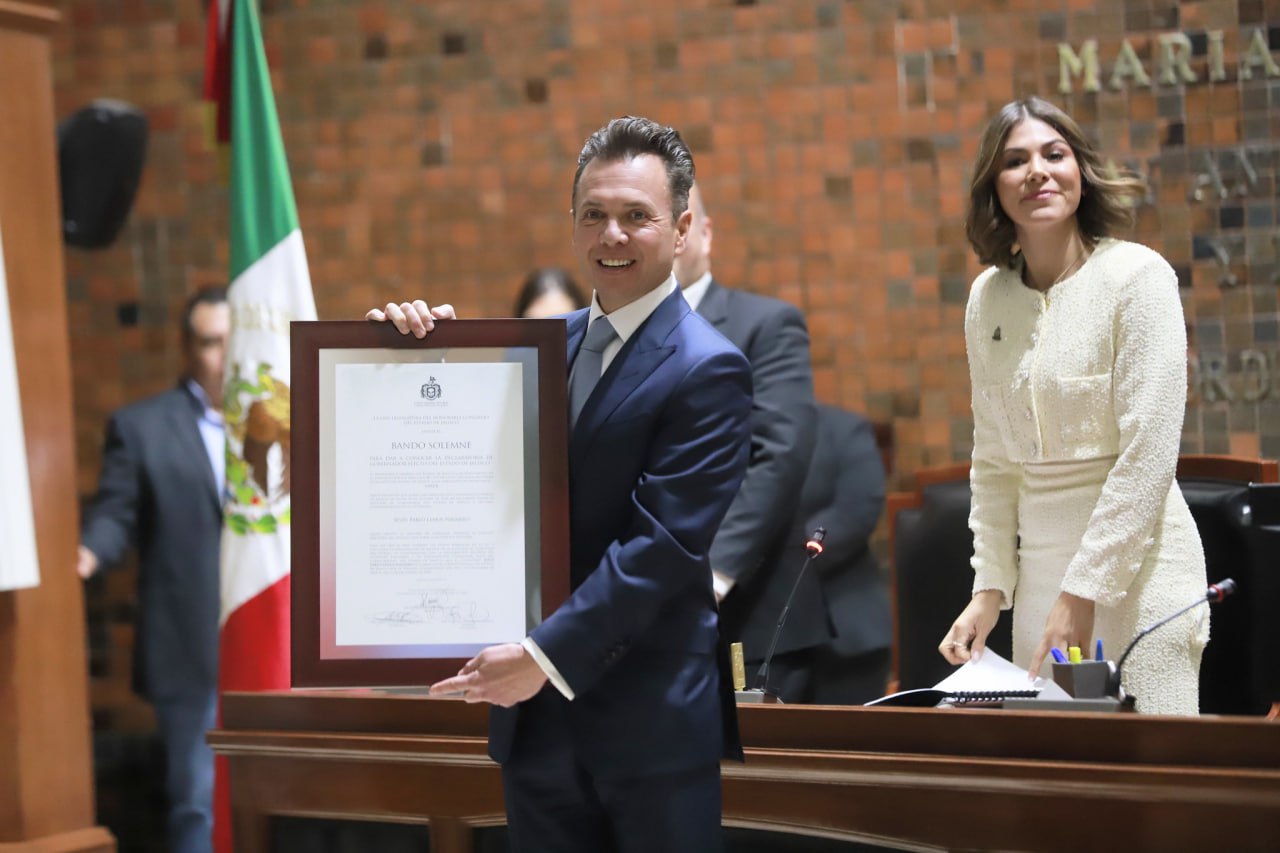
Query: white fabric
[693, 293]
[273, 292]
[1078, 400]
[548, 668]
[19, 562]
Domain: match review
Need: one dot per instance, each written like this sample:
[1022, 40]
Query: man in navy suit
[754, 566]
[613, 714]
[161, 490]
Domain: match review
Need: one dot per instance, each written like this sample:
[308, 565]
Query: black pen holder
[1084, 680]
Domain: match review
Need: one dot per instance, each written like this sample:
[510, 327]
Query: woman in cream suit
[1077, 358]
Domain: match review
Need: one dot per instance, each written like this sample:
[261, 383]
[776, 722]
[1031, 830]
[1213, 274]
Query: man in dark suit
[621, 750]
[844, 492]
[160, 489]
[754, 571]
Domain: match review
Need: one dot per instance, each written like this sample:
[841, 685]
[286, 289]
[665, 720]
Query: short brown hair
[216, 295]
[1104, 197]
[631, 136]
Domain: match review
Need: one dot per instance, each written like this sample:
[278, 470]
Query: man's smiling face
[624, 234]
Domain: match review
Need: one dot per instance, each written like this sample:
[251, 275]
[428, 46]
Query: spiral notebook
[986, 682]
[931, 697]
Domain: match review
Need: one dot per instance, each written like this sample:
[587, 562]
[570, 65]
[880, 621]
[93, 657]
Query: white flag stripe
[265, 298]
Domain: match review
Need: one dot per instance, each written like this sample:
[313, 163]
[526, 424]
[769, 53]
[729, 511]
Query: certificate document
[429, 505]
[431, 496]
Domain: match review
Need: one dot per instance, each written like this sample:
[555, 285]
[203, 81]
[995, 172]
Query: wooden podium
[46, 771]
[911, 778]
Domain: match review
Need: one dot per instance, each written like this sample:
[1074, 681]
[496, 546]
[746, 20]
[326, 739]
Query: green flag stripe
[262, 207]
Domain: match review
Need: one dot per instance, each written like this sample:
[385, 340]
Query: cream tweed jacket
[1094, 369]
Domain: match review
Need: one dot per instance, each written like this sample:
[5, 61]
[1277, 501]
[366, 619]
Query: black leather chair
[930, 545]
[931, 578]
[1264, 547]
[1217, 490]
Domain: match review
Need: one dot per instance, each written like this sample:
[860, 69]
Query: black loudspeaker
[101, 149]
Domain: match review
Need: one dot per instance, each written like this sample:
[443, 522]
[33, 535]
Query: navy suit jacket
[752, 546]
[157, 491]
[655, 458]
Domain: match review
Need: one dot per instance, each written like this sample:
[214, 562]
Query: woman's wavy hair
[1105, 197]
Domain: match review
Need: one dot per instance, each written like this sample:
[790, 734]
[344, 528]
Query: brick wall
[432, 148]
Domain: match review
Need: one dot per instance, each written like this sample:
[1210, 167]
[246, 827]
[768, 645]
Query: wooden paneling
[924, 779]
[1235, 468]
[46, 793]
[29, 16]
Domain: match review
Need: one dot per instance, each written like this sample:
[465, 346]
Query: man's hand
[86, 563]
[500, 675]
[412, 317]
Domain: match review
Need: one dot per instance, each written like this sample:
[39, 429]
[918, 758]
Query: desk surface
[914, 778]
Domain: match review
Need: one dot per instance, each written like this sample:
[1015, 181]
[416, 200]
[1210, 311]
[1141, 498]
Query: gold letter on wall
[1072, 64]
[1175, 50]
[1258, 53]
[1128, 65]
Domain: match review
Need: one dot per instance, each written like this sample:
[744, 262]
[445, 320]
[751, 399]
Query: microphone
[813, 547]
[1213, 595]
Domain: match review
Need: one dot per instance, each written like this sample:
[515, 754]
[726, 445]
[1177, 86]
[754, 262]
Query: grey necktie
[586, 367]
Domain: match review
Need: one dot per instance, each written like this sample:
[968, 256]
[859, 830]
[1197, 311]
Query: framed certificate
[430, 495]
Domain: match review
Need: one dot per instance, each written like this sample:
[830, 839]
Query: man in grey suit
[160, 489]
[752, 577]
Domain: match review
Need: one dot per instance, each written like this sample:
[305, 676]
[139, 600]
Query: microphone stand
[812, 548]
[1213, 595]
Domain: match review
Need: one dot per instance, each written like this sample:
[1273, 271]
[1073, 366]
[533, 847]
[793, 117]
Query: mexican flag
[270, 287]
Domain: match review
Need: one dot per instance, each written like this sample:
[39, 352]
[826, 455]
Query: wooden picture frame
[343, 371]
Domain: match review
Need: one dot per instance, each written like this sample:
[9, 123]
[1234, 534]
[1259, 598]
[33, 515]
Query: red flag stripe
[254, 654]
[217, 70]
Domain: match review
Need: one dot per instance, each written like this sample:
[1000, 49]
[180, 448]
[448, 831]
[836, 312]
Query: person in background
[753, 574]
[844, 493]
[161, 490]
[548, 292]
[1077, 358]
[612, 716]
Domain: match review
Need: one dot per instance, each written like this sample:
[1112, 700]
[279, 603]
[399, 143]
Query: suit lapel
[185, 421]
[634, 363]
[714, 306]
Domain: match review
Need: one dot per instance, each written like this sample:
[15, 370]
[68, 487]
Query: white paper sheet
[19, 564]
[429, 539]
[992, 673]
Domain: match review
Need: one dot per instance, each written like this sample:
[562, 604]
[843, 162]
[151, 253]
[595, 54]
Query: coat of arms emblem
[431, 390]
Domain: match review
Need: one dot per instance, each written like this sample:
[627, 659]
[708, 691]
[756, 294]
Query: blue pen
[1058, 655]
[1097, 650]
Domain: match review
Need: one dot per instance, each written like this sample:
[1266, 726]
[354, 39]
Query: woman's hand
[1070, 623]
[411, 317]
[968, 635]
